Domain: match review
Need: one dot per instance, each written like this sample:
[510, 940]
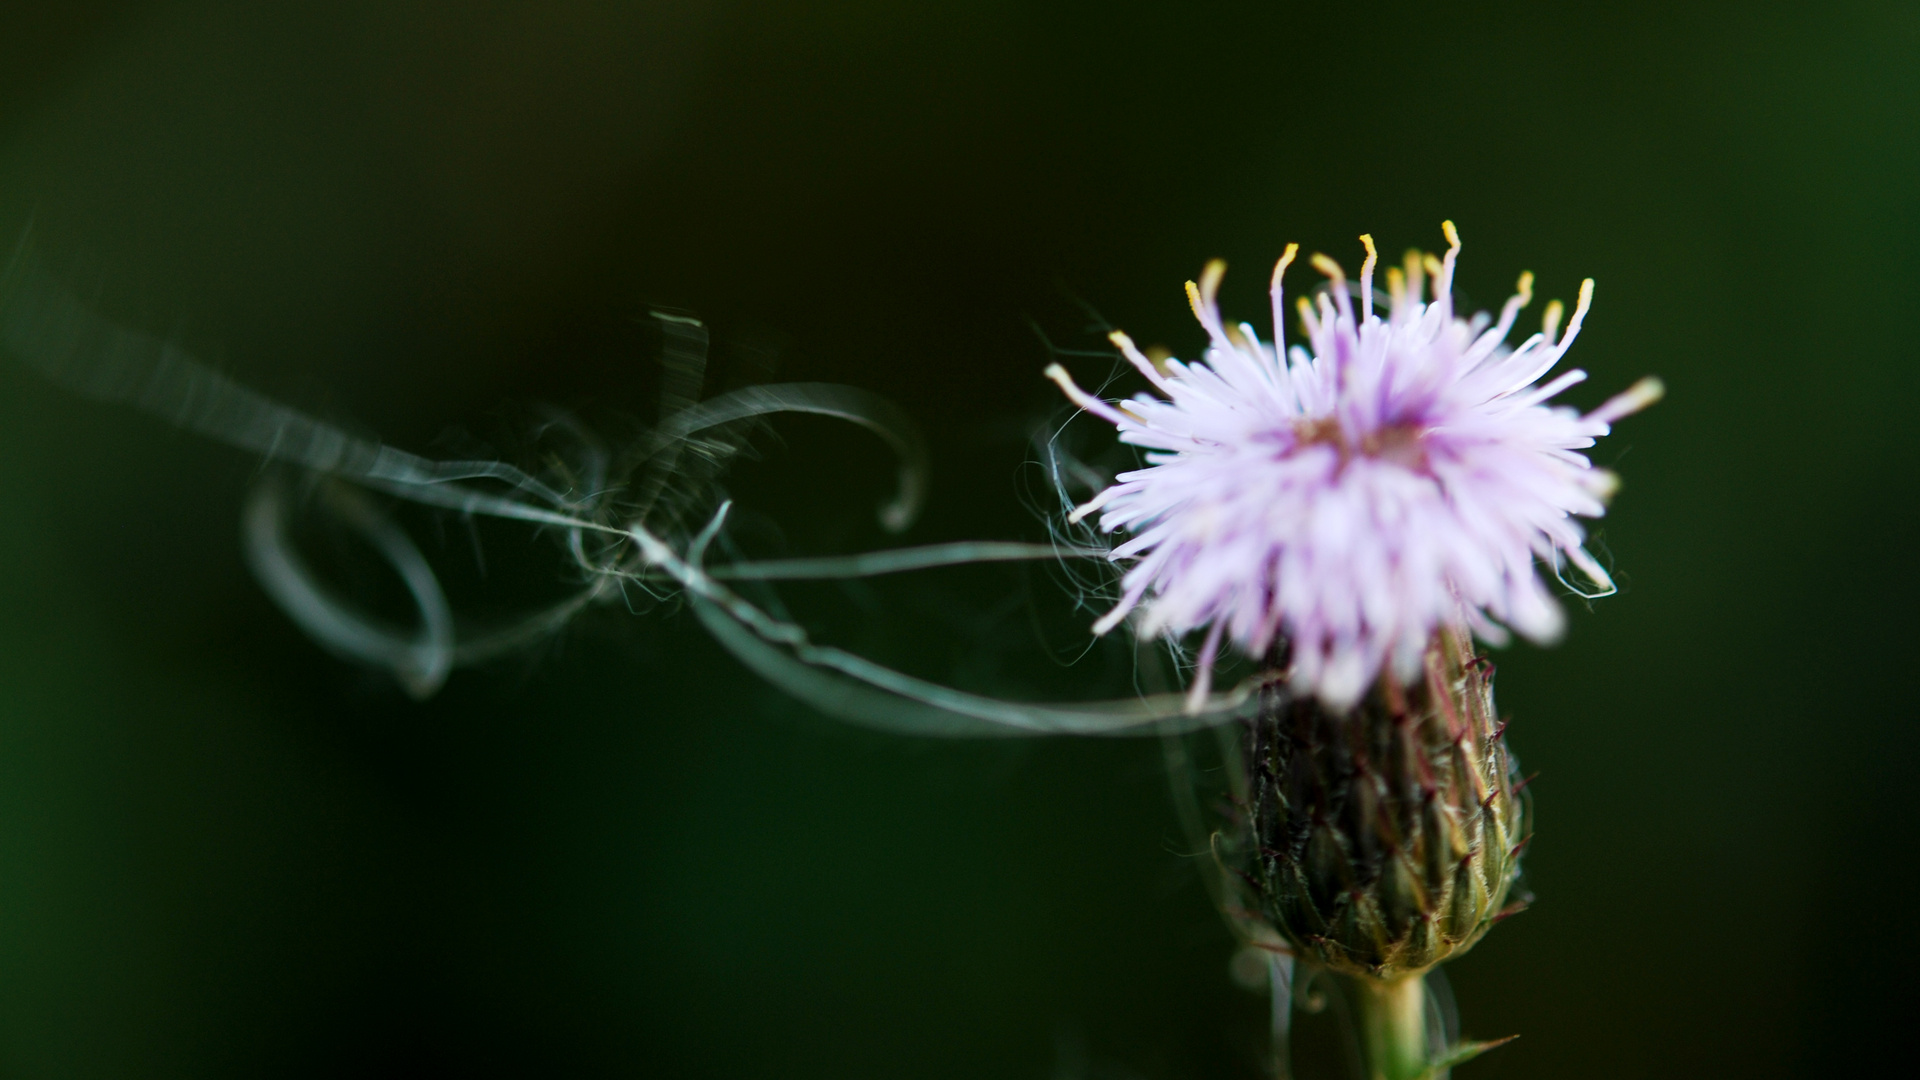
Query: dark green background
[224, 853]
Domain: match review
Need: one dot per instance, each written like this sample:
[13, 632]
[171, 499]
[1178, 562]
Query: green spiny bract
[1386, 837]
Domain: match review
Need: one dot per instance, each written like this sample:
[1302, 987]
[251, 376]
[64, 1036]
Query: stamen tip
[1634, 398]
[1648, 391]
[1550, 319]
[1286, 260]
[1210, 276]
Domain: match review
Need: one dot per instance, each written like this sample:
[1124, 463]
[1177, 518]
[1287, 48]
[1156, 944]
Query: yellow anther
[1416, 273]
[1366, 277]
[1525, 288]
[1644, 393]
[1306, 315]
[1210, 276]
[1637, 397]
[1127, 347]
[1453, 237]
[1198, 305]
[1286, 260]
[1080, 512]
[1550, 322]
[1431, 265]
[1579, 312]
[1328, 267]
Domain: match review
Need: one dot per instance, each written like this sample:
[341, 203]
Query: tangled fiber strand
[617, 518]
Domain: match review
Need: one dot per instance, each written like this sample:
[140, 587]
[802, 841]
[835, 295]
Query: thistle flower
[1349, 499]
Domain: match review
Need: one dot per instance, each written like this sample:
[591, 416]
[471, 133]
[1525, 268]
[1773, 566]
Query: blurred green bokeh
[224, 853]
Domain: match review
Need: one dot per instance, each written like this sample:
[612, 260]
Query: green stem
[1393, 1026]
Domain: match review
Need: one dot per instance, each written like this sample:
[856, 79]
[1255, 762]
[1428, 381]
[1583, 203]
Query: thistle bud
[1386, 837]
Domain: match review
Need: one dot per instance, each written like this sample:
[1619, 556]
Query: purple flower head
[1351, 497]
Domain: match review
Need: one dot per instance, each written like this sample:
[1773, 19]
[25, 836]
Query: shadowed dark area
[223, 852]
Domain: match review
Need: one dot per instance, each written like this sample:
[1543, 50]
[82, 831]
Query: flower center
[1397, 443]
